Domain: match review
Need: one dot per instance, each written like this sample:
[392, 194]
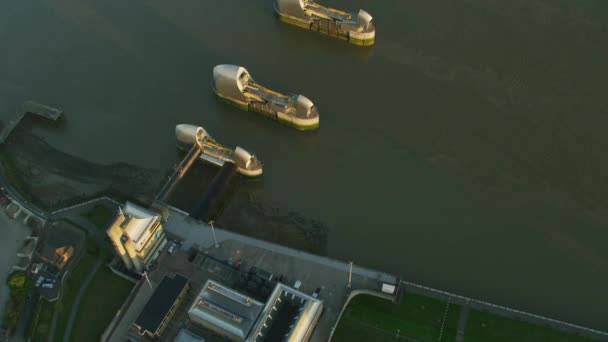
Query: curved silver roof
[292, 7]
[303, 106]
[188, 134]
[364, 18]
[242, 158]
[227, 80]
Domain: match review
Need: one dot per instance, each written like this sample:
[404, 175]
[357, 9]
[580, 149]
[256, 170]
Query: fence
[505, 311]
[75, 206]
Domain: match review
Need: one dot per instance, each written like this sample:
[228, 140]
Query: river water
[464, 151]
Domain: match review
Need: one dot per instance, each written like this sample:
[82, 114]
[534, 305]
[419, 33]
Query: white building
[137, 235]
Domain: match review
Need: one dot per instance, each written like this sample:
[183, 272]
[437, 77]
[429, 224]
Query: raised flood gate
[211, 201]
[329, 27]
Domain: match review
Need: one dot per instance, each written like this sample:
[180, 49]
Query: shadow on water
[242, 211]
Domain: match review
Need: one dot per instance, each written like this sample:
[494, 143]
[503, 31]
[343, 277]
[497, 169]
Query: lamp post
[350, 273]
[148, 279]
[213, 233]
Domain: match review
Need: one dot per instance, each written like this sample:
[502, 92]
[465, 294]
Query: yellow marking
[330, 9]
[254, 96]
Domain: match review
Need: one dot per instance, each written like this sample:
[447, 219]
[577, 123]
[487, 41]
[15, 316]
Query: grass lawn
[483, 326]
[103, 298]
[416, 318]
[43, 320]
[100, 216]
[69, 291]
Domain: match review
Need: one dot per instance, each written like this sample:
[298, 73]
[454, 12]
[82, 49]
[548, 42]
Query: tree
[11, 313]
[17, 280]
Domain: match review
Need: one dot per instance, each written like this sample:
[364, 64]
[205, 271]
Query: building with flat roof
[225, 311]
[161, 306]
[289, 315]
[137, 235]
[187, 336]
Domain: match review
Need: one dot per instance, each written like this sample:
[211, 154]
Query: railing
[263, 108]
[504, 311]
[329, 27]
[179, 172]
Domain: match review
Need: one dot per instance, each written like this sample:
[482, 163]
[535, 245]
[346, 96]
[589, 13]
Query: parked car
[315, 294]
[39, 281]
[36, 268]
[48, 285]
[171, 248]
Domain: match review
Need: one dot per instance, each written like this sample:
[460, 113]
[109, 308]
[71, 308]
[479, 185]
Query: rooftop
[225, 309]
[187, 336]
[295, 315]
[134, 220]
[160, 303]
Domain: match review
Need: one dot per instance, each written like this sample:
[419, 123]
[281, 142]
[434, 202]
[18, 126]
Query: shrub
[16, 280]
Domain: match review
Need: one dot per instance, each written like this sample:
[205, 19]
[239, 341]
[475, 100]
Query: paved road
[462, 322]
[82, 208]
[81, 292]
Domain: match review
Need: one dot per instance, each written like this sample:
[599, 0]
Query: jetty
[179, 172]
[356, 28]
[234, 84]
[30, 107]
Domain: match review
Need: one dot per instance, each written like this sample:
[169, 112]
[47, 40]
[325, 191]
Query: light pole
[148, 279]
[213, 233]
[350, 273]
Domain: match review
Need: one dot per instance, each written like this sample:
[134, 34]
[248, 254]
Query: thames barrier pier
[356, 28]
[234, 84]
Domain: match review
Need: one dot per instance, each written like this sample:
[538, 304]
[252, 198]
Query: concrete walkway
[462, 322]
[180, 224]
[81, 208]
[76, 305]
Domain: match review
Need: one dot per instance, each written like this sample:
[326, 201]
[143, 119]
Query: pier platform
[179, 172]
[34, 108]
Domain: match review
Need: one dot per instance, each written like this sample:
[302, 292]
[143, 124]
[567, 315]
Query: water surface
[465, 150]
